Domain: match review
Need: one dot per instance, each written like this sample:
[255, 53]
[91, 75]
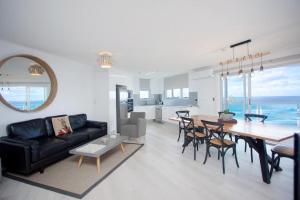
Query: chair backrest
[183, 113]
[134, 116]
[213, 130]
[188, 124]
[250, 116]
[232, 113]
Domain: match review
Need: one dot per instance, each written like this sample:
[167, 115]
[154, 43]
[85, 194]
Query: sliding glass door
[275, 93]
[236, 95]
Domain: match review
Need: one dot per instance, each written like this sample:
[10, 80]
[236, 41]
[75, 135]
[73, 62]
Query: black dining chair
[191, 134]
[233, 114]
[250, 117]
[222, 112]
[281, 151]
[181, 113]
[215, 137]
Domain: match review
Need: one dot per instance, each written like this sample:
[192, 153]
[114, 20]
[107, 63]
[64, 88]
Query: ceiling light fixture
[252, 69]
[245, 58]
[227, 73]
[241, 70]
[222, 74]
[36, 69]
[261, 68]
[105, 59]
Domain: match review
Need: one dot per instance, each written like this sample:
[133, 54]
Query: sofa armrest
[142, 123]
[96, 124]
[15, 155]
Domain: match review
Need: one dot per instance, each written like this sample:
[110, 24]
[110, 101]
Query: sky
[282, 81]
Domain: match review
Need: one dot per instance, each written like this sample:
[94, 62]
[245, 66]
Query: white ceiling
[151, 35]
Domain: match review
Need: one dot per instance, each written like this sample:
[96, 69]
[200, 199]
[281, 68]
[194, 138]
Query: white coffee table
[98, 147]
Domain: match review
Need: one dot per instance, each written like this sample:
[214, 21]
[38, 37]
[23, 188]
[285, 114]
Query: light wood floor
[160, 171]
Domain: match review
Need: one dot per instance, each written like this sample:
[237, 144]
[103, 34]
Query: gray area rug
[66, 178]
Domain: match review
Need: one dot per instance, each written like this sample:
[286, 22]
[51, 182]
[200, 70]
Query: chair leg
[179, 135]
[195, 149]
[278, 162]
[235, 156]
[218, 154]
[251, 151]
[245, 146]
[272, 164]
[183, 150]
[223, 161]
[207, 152]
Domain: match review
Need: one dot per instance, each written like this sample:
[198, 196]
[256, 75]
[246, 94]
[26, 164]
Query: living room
[65, 67]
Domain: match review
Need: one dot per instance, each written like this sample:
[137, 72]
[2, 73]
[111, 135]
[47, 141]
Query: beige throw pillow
[61, 125]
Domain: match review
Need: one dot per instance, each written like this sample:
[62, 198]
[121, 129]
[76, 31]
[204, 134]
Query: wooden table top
[254, 129]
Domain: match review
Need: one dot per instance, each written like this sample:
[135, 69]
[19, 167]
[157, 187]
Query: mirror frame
[52, 78]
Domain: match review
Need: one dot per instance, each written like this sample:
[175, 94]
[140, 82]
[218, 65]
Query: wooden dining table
[255, 134]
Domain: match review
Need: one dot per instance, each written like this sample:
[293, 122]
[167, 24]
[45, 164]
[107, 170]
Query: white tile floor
[160, 171]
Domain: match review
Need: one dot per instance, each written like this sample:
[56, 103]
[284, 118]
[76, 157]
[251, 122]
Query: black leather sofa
[31, 145]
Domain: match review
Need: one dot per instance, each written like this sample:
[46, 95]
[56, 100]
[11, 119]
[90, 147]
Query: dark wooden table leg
[264, 160]
[260, 147]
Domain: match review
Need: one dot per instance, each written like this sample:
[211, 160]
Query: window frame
[188, 93]
[147, 92]
[171, 93]
[178, 93]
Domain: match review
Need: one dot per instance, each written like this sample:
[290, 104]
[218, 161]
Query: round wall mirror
[27, 83]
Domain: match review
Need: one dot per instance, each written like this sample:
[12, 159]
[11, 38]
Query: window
[185, 93]
[177, 93]
[275, 93]
[235, 98]
[169, 94]
[144, 94]
[25, 97]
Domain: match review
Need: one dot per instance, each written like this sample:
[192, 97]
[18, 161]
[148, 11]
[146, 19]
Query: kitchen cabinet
[167, 111]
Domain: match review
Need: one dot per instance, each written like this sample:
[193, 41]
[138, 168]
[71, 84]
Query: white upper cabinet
[157, 85]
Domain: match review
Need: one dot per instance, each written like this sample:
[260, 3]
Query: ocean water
[280, 110]
[22, 104]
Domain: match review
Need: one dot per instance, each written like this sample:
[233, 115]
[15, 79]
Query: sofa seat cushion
[93, 133]
[45, 147]
[75, 138]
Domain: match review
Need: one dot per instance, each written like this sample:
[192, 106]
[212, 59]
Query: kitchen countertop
[164, 106]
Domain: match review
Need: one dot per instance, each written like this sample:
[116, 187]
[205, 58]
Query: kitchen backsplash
[156, 99]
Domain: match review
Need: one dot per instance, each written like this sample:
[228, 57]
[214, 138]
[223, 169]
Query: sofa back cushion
[30, 129]
[49, 125]
[77, 121]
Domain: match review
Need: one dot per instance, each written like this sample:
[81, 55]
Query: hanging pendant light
[227, 73]
[252, 72]
[222, 74]
[241, 70]
[105, 59]
[261, 68]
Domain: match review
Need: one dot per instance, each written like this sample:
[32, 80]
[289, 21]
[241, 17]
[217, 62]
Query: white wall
[81, 88]
[208, 90]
